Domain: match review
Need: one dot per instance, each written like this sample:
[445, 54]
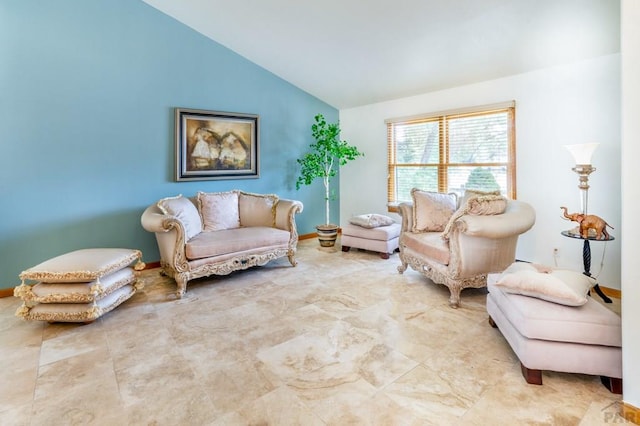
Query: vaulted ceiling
[355, 52]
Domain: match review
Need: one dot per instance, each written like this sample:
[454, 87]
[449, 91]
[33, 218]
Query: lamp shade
[583, 152]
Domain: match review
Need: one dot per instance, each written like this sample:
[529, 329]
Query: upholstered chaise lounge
[218, 233]
[458, 247]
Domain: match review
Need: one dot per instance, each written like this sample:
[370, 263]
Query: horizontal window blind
[452, 152]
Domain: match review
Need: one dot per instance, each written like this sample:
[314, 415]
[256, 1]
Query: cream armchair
[474, 242]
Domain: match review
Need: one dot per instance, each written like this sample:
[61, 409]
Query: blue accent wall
[87, 96]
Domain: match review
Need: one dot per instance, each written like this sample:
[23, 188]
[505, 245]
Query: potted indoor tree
[327, 154]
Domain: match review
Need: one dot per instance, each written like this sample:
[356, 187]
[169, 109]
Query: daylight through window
[452, 152]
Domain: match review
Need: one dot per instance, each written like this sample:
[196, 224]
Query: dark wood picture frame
[213, 145]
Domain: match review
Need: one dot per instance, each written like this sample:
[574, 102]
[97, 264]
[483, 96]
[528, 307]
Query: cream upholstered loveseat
[218, 233]
[457, 243]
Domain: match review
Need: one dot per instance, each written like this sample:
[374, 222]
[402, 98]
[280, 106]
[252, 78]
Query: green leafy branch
[327, 155]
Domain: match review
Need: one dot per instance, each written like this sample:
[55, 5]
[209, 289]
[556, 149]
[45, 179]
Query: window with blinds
[452, 152]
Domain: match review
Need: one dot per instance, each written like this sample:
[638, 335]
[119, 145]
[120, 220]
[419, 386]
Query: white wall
[631, 204]
[570, 104]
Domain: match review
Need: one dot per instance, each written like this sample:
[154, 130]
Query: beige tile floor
[342, 339]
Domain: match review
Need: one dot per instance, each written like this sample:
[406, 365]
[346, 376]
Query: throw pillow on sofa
[432, 210]
[483, 205]
[474, 193]
[219, 210]
[184, 210]
[257, 209]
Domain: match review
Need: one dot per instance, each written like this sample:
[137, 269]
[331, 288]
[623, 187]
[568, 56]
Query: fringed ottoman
[551, 324]
[372, 232]
[79, 286]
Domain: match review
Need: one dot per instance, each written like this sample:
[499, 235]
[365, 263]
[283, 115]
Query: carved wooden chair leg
[454, 298]
[182, 285]
[533, 377]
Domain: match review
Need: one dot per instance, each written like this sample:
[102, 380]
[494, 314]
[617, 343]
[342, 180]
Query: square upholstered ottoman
[551, 336]
[381, 239]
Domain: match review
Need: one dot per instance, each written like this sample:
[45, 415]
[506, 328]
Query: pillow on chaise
[560, 286]
[432, 210]
[372, 220]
